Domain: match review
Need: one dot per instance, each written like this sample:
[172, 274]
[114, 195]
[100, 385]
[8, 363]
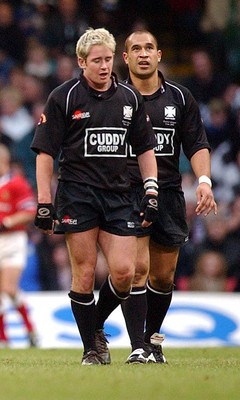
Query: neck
[146, 86]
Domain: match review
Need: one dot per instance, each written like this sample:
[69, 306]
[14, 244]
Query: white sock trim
[157, 292]
[113, 290]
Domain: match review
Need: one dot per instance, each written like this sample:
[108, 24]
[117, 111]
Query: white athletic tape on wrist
[150, 185]
[205, 179]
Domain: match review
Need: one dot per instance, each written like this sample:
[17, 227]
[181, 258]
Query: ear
[125, 57]
[159, 55]
[81, 63]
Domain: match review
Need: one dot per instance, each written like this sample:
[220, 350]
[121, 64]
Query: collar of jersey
[158, 93]
[98, 94]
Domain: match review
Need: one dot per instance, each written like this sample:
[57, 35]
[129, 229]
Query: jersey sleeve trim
[134, 94]
[68, 95]
[177, 88]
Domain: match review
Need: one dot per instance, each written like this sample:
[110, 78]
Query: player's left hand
[149, 209]
[205, 200]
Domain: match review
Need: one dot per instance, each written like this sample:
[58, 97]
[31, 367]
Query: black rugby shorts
[171, 228]
[82, 207]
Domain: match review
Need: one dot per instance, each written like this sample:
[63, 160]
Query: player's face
[142, 55]
[97, 67]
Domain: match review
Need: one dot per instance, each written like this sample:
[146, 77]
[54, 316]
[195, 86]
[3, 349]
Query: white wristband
[205, 179]
[151, 186]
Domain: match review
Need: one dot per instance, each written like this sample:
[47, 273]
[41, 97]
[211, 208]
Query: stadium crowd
[201, 49]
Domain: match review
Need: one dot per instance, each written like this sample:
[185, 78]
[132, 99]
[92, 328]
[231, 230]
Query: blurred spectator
[15, 120]
[225, 164]
[232, 40]
[210, 274]
[64, 27]
[30, 17]
[6, 65]
[17, 211]
[186, 15]
[65, 69]
[16, 77]
[213, 24]
[21, 149]
[205, 82]
[38, 62]
[233, 220]
[108, 14]
[33, 91]
[12, 39]
[219, 123]
[218, 239]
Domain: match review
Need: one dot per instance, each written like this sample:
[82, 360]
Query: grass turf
[57, 374]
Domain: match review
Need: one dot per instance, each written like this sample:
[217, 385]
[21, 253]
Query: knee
[122, 279]
[163, 282]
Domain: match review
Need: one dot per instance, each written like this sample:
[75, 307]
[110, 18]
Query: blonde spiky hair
[91, 37]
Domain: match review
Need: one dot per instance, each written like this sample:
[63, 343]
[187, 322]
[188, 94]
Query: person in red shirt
[17, 210]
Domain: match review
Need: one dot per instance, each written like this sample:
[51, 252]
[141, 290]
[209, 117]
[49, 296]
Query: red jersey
[16, 195]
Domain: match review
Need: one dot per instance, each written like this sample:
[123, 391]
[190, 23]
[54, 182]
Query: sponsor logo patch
[105, 142]
[69, 221]
[80, 115]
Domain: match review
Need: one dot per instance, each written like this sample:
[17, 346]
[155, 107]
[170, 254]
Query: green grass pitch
[57, 374]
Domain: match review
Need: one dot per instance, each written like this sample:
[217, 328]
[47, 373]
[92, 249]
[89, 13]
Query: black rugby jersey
[91, 130]
[176, 121]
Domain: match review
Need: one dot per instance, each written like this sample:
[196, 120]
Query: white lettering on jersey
[164, 138]
[165, 145]
[105, 142]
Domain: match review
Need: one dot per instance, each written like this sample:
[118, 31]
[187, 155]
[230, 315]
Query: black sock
[158, 304]
[134, 310]
[83, 308]
[109, 299]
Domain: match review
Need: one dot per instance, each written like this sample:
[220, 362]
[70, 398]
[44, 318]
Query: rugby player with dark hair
[177, 123]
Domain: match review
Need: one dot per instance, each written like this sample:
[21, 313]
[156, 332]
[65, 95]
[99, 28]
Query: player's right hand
[46, 217]
[149, 209]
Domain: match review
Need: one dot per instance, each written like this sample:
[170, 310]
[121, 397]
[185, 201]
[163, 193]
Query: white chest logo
[170, 112]
[127, 112]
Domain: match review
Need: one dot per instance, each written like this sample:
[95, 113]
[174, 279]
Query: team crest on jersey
[170, 112]
[42, 119]
[127, 112]
[80, 115]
